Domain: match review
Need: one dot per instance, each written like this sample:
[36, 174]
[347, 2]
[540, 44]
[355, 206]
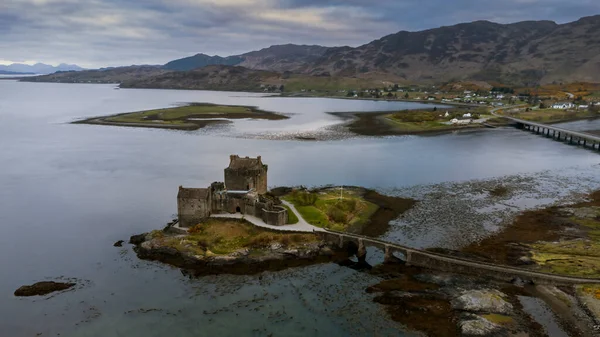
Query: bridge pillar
[341, 242]
[389, 256]
[361, 254]
[408, 258]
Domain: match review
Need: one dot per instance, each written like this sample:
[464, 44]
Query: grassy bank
[332, 210]
[410, 122]
[553, 115]
[225, 236]
[562, 240]
[350, 209]
[187, 117]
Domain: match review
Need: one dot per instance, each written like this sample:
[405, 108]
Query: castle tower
[245, 174]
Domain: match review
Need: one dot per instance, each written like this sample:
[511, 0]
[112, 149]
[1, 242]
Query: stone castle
[242, 192]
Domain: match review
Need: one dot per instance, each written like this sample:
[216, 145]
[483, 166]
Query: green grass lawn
[292, 218]
[180, 114]
[325, 209]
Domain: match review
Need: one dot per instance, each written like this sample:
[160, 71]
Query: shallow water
[67, 192]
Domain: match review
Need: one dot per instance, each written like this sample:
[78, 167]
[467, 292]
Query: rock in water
[478, 326]
[137, 239]
[491, 301]
[119, 243]
[42, 288]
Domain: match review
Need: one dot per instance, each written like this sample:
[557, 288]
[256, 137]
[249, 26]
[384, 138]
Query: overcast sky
[95, 33]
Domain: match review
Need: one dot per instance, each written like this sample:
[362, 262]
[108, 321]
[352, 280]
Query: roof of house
[192, 193]
[247, 163]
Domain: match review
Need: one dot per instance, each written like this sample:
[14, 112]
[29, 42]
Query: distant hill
[107, 75]
[38, 68]
[276, 58]
[213, 77]
[524, 53]
[5, 72]
[283, 57]
[201, 60]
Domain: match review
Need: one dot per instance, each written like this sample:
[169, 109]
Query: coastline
[271, 251]
[376, 124]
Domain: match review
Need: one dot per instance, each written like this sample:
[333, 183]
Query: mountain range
[38, 68]
[524, 54]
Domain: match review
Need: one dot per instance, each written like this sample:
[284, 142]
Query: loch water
[68, 192]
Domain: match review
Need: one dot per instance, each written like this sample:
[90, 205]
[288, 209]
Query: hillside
[214, 77]
[109, 75]
[279, 58]
[201, 60]
[523, 53]
[282, 58]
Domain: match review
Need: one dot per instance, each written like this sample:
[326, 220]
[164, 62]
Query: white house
[563, 106]
[447, 114]
[467, 115]
[583, 107]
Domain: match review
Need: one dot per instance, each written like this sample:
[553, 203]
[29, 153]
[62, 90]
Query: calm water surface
[68, 192]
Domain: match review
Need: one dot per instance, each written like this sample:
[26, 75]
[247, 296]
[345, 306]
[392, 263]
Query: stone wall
[277, 216]
[245, 180]
[192, 211]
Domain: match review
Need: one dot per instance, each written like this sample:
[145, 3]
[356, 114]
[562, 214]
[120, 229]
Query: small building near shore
[563, 106]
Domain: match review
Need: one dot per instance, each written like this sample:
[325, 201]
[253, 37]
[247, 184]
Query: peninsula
[192, 116]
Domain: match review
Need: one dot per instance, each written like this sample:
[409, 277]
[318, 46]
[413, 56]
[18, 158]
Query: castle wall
[245, 180]
[277, 216]
[192, 211]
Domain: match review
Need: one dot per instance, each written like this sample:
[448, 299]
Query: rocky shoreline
[271, 255]
[463, 305]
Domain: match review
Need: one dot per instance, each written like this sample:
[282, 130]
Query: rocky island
[238, 226]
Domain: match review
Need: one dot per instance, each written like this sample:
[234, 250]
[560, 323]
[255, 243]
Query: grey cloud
[119, 32]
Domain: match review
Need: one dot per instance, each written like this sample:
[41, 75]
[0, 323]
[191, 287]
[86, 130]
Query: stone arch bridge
[430, 260]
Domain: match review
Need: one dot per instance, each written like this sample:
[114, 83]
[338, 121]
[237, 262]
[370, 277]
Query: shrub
[348, 205]
[335, 214]
[195, 229]
[304, 198]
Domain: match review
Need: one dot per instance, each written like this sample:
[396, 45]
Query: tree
[406, 95]
[281, 88]
[435, 108]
